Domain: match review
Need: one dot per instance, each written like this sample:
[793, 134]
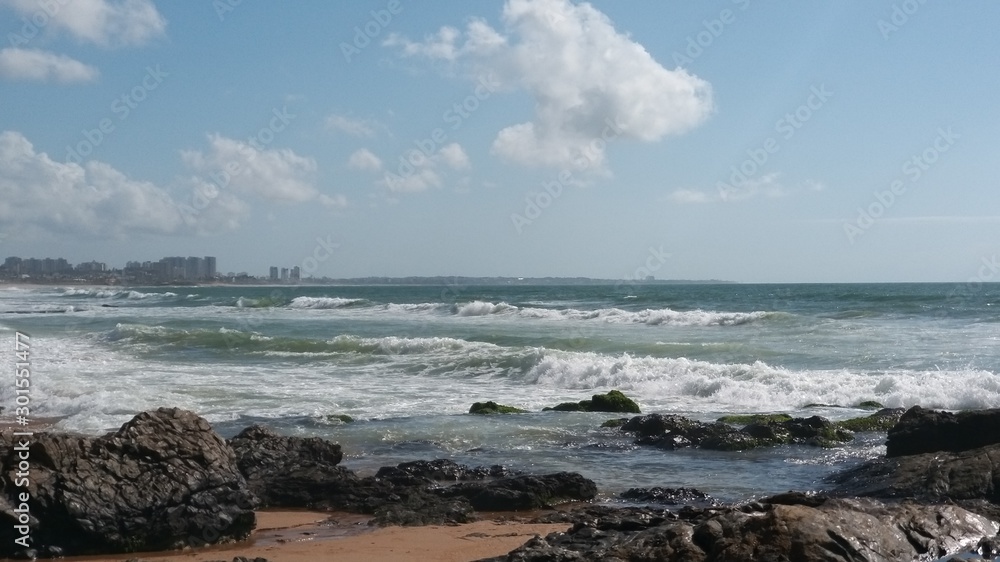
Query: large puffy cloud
[43, 66]
[92, 198]
[278, 175]
[591, 83]
[109, 23]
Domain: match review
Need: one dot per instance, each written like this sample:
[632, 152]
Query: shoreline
[303, 536]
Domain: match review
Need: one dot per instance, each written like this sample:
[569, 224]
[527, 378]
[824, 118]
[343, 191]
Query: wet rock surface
[833, 530]
[164, 480]
[675, 432]
[923, 431]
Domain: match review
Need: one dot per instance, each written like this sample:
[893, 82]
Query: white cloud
[92, 199]
[43, 66]
[333, 202]
[766, 186]
[278, 175]
[108, 23]
[419, 172]
[454, 156]
[587, 79]
[351, 126]
[364, 159]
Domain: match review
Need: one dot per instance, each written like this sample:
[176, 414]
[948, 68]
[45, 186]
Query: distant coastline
[412, 280]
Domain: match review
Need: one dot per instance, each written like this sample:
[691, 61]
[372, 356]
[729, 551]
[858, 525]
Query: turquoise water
[407, 361]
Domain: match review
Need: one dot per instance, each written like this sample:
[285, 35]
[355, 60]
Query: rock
[494, 408]
[288, 471]
[613, 401]
[870, 405]
[524, 492]
[747, 419]
[925, 431]
[421, 472]
[836, 530]
[667, 496]
[674, 432]
[966, 475]
[344, 418]
[616, 422]
[882, 420]
[164, 480]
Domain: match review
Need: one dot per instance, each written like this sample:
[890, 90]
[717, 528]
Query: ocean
[406, 362]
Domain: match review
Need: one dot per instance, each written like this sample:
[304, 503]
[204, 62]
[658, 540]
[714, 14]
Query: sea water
[406, 362]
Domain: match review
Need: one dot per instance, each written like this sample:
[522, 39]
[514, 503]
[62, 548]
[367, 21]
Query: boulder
[666, 496]
[164, 480]
[966, 475]
[613, 401]
[674, 432]
[925, 431]
[491, 407]
[832, 530]
[288, 471]
[420, 473]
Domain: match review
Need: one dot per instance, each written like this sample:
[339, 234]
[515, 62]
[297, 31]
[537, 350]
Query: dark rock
[288, 471]
[616, 422]
[165, 480]
[440, 470]
[966, 475]
[925, 431]
[673, 432]
[870, 405]
[613, 401]
[491, 407]
[666, 496]
[524, 492]
[747, 419]
[882, 420]
[836, 530]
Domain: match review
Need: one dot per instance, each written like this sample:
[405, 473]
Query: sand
[301, 536]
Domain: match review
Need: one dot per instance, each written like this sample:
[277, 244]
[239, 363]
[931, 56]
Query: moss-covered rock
[491, 407]
[674, 432]
[613, 401]
[882, 420]
[616, 422]
[344, 418]
[870, 405]
[747, 419]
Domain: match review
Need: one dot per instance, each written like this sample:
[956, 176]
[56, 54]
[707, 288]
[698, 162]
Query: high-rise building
[284, 274]
[210, 271]
[296, 272]
[274, 273]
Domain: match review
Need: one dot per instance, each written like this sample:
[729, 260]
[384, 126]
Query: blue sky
[739, 140]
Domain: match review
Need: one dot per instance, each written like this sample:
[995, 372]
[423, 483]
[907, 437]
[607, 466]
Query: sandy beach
[293, 536]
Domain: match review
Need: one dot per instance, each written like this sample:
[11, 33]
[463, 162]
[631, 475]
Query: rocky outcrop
[289, 471]
[882, 420]
[675, 432]
[491, 407]
[524, 492]
[613, 401]
[165, 480]
[923, 431]
[667, 496]
[822, 530]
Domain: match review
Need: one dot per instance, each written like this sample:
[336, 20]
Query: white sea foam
[480, 308]
[322, 302]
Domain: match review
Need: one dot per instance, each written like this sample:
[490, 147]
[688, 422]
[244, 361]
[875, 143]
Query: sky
[727, 139]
